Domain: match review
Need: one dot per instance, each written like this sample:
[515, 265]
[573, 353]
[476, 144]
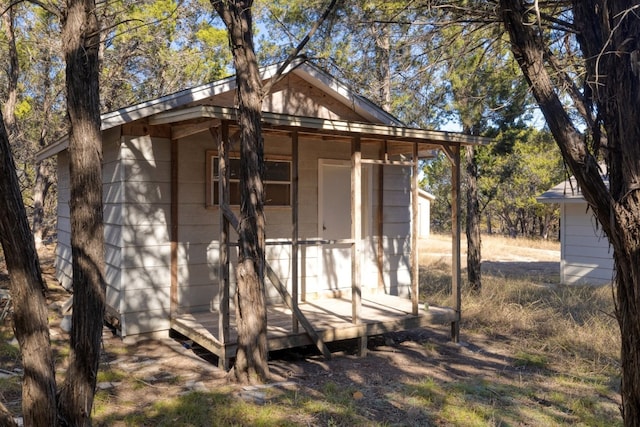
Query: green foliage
[520, 164]
[160, 47]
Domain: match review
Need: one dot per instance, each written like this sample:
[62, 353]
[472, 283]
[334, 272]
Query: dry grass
[570, 332]
[535, 353]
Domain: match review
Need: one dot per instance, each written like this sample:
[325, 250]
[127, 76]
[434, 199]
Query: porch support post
[223, 266]
[455, 232]
[356, 236]
[294, 230]
[415, 276]
[380, 217]
[173, 303]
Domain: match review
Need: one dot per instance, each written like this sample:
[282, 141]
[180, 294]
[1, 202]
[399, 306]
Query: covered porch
[301, 317]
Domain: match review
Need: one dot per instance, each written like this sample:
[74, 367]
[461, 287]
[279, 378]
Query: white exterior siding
[113, 182]
[137, 205]
[145, 198]
[63, 227]
[585, 253]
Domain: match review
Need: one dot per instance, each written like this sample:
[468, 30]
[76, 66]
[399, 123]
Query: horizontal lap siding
[396, 230]
[145, 235]
[112, 183]
[63, 227]
[112, 217]
[586, 254]
[197, 227]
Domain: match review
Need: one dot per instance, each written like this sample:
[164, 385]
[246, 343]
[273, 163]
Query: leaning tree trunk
[474, 257]
[40, 191]
[43, 168]
[30, 314]
[608, 33]
[81, 41]
[251, 314]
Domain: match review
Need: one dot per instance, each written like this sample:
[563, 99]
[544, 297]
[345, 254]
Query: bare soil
[164, 367]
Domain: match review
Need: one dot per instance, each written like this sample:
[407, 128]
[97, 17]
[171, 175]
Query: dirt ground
[169, 367]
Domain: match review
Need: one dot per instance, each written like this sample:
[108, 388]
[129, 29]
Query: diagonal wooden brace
[284, 293]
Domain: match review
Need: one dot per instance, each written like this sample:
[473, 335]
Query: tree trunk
[81, 42]
[251, 314]
[608, 36]
[382, 35]
[9, 108]
[30, 314]
[474, 257]
[40, 191]
[43, 172]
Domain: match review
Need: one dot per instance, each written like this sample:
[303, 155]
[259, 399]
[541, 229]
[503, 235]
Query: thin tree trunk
[382, 35]
[251, 314]
[30, 314]
[9, 108]
[608, 36]
[81, 42]
[474, 257]
[43, 173]
[40, 191]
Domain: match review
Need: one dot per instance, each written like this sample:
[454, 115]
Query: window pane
[277, 171]
[278, 194]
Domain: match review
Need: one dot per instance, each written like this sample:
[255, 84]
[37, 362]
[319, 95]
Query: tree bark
[474, 257]
[608, 35]
[43, 169]
[251, 314]
[30, 313]
[9, 108]
[80, 39]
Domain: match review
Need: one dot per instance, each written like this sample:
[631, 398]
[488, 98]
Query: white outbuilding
[586, 257]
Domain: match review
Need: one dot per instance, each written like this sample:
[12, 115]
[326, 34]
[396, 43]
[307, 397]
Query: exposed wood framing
[173, 289]
[356, 235]
[223, 266]
[185, 130]
[282, 290]
[415, 278]
[294, 227]
[380, 218]
[323, 126]
[456, 277]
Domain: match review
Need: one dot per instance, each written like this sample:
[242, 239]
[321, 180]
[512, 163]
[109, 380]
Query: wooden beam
[322, 126]
[185, 130]
[456, 274]
[308, 327]
[356, 235]
[415, 276]
[380, 217]
[294, 226]
[282, 290]
[173, 292]
[223, 264]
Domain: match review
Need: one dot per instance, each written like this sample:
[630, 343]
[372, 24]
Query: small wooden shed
[586, 257]
[342, 214]
[424, 213]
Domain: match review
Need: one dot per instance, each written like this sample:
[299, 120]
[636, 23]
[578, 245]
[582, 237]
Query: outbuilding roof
[568, 191]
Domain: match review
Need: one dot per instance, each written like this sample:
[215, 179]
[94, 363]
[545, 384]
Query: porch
[330, 318]
[302, 316]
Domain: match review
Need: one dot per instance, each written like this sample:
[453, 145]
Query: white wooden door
[334, 214]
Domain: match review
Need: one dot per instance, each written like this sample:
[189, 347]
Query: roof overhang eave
[323, 126]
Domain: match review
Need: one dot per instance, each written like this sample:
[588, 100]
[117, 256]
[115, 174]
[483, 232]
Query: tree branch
[296, 52]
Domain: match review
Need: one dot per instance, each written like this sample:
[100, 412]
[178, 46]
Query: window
[277, 181]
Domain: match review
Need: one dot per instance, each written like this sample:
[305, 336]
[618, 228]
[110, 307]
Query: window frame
[211, 179]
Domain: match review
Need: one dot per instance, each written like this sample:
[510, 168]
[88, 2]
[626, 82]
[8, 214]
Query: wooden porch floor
[331, 319]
